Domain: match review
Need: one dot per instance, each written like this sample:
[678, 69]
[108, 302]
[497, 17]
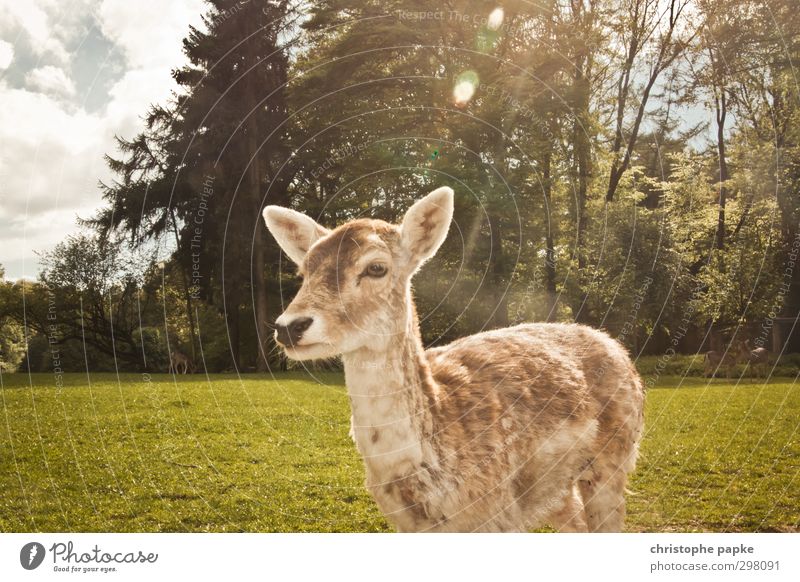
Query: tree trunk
[186, 294]
[721, 105]
[582, 160]
[258, 266]
[232, 320]
[499, 316]
[550, 253]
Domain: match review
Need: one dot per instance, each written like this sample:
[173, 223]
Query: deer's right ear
[425, 225]
[294, 231]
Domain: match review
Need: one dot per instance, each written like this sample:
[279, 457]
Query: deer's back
[549, 372]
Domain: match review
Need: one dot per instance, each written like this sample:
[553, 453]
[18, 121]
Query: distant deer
[758, 358]
[500, 431]
[716, 361]
[179, 363]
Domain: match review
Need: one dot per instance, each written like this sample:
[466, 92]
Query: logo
[31, 555]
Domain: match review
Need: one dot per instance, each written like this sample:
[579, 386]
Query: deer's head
[356, 278]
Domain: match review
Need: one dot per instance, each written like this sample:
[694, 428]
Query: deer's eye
[376, 270]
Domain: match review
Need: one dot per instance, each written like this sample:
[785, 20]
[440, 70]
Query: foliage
[12, 345]
[628, 165]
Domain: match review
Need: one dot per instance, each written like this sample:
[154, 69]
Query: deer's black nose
[290, 334]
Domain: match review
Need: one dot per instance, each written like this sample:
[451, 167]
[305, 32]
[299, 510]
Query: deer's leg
[571, 517]
[604, 499]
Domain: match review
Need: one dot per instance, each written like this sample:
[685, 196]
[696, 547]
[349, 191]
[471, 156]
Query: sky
[73, 74]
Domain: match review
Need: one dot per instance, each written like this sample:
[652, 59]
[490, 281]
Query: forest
[633, 165]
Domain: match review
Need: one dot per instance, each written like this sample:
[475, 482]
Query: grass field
[257, 454]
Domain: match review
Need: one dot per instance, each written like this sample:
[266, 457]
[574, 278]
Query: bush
[152, 343]
[694, 365]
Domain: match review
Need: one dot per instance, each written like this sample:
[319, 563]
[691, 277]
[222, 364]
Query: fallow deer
[179, 363]
[758, 357]
[504, 430]
[715, 361]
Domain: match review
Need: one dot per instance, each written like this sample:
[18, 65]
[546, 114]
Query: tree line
[631, 165]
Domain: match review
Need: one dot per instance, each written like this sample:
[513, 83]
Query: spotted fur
[505, 430]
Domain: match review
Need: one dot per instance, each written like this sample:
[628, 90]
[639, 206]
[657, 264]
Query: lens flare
[463, 91]
[495, 19]
[466, 84]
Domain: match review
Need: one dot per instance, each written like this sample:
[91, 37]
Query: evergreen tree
[208, 162]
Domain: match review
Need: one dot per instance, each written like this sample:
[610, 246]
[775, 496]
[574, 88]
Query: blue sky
[74, 73]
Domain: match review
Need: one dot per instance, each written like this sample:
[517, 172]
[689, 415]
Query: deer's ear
[425, 225]
[294, 231]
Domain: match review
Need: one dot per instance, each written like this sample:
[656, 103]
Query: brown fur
[501, 431]
[758, 358]
[180, 363]
[715, 361]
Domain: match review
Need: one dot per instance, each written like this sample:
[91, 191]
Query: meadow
[268, 454]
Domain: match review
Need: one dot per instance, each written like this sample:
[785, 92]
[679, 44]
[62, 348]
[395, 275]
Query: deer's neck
[392, 394]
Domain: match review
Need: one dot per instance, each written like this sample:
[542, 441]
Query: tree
[654, 31]
[87, 292]
[205, 164]
[12, 334]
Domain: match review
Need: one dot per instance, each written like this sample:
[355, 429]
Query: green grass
[273, 455]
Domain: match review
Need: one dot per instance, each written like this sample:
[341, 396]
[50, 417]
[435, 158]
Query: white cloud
[31, 18]
[6, 54]
[50, 151]
[27, 15]
[150, 31]
[150, 34]
[50, 163]
[52, 155]
[50, 80]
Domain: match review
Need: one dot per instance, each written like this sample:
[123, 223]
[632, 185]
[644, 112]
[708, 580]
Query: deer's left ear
[425, 225]
[294, 231]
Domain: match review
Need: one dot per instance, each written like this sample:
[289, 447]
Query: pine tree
[208, 162]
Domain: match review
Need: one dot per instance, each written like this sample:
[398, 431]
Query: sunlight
[466, 84]
[495, 19]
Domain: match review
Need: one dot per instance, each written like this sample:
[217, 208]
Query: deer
[502, 431]
[756, 357]
[714, 361]
[179, 363]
